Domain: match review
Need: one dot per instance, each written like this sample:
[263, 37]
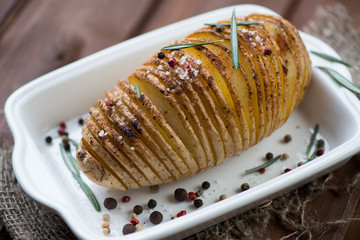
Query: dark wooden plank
[171, 11]
[9, 11]
[50, 34]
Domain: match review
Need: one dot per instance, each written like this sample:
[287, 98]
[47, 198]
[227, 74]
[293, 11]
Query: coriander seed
[138, 227]
[106, 231]
[284, 156]
[105, 225]
[222, 197]
[106, 217]
[287, 138]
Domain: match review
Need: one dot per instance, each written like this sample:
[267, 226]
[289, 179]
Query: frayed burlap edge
[25, 219]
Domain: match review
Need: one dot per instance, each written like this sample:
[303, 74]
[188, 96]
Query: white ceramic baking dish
[35, 110]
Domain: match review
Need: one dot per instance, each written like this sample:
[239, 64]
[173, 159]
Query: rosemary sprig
[333, 59]
[237, 23]
[187, 45]
[138, 91]
[340, 79]
[234, 41]
[312, 139]
[71, 164]
[268, 163]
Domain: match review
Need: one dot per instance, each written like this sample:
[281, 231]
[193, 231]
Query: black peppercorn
[245, 186]
[320, 143]
[205, 185]
[287, 138]
[110, 203]
[67, 147]
[180, 194]
[152, 203]
[198, 203]
[81, 121]
[138, 209]
[156, 217]
[269, 156]
[161, 55]
[48, 139]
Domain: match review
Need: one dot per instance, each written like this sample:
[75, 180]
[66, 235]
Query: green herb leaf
[333, 59]
[71, 164]
[187, 45]
[234, 41]
[340, 79]
[237, 23]
[74, 143]
[138, 91]
[312, 140]
[268, 163]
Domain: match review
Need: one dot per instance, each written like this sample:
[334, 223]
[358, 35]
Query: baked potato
[187, 110]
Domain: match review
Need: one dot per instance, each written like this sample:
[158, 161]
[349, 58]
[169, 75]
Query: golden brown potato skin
[192, 110]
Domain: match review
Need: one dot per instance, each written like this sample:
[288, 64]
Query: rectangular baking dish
[35, 110]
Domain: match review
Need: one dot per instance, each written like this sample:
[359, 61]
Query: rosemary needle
[268, 163]
[187, 45]
[333, 59]
[138, 91]
[234, 41]
[237, 23]
[312, 140]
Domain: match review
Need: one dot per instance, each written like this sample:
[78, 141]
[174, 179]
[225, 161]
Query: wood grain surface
[38, 36]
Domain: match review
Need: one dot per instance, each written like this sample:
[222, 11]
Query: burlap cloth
[25, 219]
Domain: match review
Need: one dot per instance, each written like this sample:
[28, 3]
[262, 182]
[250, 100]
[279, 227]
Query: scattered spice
[134, 221]
[62, 125]
[48, 139]
[109, 103]
[287, 138]
[81, 121]
[181, 213]
[106, 217]
[222, 197]
[64, 139]
[219, 28]
[128, 228]
[267, 51]
[67, 147]
[300, 164]
[161, 55]
[138, 227]
[192, 196]
[154, 188]
[126, 199]
[198, 203]
[156, 217]
[180, 194]
[151, 203]
[262, 170]
[269, 156]
[138, 209]
[287, 170]
[199, 192]
[172, 62]
[110, 203]
[205, 185]
[319, 152]
[105, 225]
[106, 231]
[320, 143]
[133, 215]
[245, 186]
[284, 156]
[61, 131]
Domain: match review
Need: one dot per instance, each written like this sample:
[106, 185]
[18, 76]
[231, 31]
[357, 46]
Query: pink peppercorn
[187, 67]
[181, 213]
[262, 170]
[134, 221]
[61, 131]
[126, 199]
[172, 62]
[62, 125]
[287, 170]
[192, 196]
[320, 152]
[267, 51]
[109, 103]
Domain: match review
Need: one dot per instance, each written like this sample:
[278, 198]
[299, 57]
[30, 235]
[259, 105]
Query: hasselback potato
[187, 110]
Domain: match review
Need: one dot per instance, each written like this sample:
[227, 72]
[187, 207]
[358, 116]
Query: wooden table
[39, 36]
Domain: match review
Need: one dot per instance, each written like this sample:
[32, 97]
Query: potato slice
[121, 112]
[246, 62]
[200, 98]
[172, 138]
[91, 135]
[156, 135]
[171, 111]
[186, 104]
[151, 167]
[94, 170]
